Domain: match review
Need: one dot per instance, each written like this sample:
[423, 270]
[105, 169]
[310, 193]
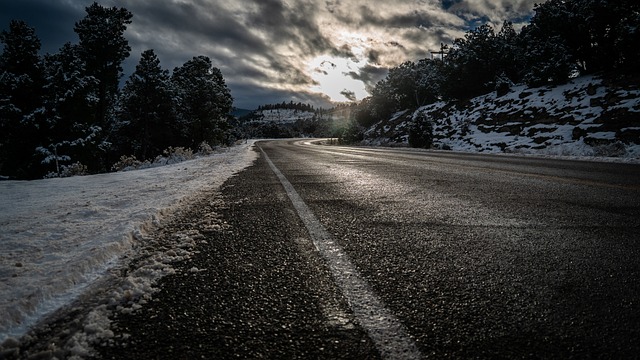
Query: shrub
[205, 149]
[76, 169]
[174, 155]
[126, 163]
[421, 132]
[352, 134]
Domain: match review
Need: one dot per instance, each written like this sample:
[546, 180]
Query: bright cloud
[332, 77]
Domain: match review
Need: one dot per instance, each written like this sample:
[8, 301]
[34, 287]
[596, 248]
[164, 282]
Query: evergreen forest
[66, 113]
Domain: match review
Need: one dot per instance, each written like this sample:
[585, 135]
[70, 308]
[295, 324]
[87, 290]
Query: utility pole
[442, 52]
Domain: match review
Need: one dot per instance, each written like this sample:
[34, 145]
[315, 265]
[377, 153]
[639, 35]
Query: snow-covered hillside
[58, 235]
[586, 117]
[281, 116]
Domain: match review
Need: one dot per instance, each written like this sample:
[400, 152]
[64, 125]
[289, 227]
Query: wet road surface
[474, 256]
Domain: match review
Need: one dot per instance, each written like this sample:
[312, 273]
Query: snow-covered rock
[586, 117]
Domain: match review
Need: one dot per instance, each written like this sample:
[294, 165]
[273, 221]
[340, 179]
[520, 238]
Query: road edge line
[389, 335]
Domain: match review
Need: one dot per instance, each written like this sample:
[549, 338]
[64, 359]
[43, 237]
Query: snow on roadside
[586, 118]
[59, 235]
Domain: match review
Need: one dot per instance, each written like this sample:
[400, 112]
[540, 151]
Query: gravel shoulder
[255, 288]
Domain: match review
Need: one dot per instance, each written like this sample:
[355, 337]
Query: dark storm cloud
[344, 51]
[199, 22]
[248, 93]
[190, 27]
[478, 12]
[53, 21]
[373, 56]
[413, 19]
[292, 26]
[178, 32]
[244, 43]
[349, 95]
[369, 75]
[266, 48]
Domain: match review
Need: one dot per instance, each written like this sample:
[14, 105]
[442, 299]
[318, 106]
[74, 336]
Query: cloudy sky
[313, 51]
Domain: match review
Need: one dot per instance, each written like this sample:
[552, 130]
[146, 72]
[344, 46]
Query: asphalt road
[465, 256]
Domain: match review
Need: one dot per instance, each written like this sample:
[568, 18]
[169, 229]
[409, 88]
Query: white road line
[387, 332]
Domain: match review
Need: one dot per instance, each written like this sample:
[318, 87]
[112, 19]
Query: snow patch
[59, 235]
[585, 117]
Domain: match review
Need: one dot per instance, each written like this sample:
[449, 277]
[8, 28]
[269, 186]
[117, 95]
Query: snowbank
[58, 235]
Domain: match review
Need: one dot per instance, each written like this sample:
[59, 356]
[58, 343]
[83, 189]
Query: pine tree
[626, 30]
[421, 132]
[21, 80]
[429, 78]
[509, 55]
[146, 106]
[203, 102]
[401, 85]
[103, 48]
[69, 101]
[611, 34]
[547, 43]
[472, 64]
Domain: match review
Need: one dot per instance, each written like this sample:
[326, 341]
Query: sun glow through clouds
[334, 75]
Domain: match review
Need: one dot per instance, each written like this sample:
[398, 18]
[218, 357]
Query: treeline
[65, 111]
[253, 125]
[314, 127]
[290, 105]
[564, 38]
